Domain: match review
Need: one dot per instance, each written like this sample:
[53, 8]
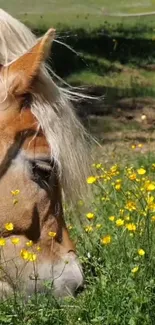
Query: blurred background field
[86, 14]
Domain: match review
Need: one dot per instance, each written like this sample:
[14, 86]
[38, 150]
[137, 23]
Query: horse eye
[42, 173]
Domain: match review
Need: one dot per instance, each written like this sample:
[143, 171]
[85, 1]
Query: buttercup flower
[141, 171]
[98, 166]
[114, 171]
[106, 240]
[131, 226]
[119, 222]
[150, 187]
[132, 176]
[2, 242]
[88, 228]
[9, 226]
[28, 256]
[112, 218]
[32, 257]
[29, 243]
[141, 252]
[24, 254]
[130, 206]
[118, 186]
[90, 215]
[114, 168]
[135, 269]
[91, 179]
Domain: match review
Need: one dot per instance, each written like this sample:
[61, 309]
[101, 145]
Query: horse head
[42, 155]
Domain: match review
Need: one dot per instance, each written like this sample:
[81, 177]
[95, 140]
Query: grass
[116, 79]
[70, 17]
[86, 14]
[116, 244]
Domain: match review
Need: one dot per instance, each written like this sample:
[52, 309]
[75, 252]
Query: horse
[43, 160]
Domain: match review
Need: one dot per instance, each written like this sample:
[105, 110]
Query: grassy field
[87, 13]
[99, 68]
[115, 235]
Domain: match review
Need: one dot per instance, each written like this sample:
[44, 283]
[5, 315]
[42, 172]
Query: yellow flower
[16, 192]
[112, 218]
[98, 166]
[106, 240]
[130, 226]
[135, 269]
[150, 199]
[91, 180]
[2, 242]
[52, 234]
[24, 254]
[118, 186]
[32, 257]
[88, 228]
[28, 256]
[150, 187]
[90, 215]
[130, 205]
[98, 226]
[114, 171]
[15, 240]
[141, 171]
[132, 176]
[38, 248]
[9, 226]
[140, 145]
[29, 243]
[114, 168]
[141, 252]
[133, 146]
[153, 218]
[119, 222]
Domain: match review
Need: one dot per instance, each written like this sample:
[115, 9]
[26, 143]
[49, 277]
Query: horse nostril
[79, 290]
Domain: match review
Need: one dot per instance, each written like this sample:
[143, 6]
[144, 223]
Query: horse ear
[22, 72]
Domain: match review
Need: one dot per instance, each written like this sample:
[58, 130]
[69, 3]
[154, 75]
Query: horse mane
[52, 107]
